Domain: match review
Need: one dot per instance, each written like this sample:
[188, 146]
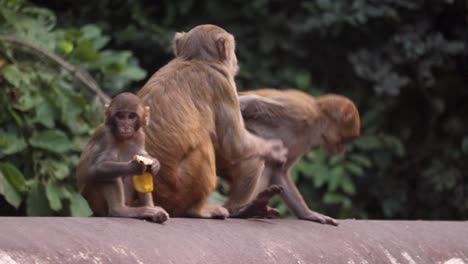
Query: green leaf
[45, 115]
[86, 51]
[354, 169]
[333, 198]
[12, 74]
[11, 143]
[303, 80]
[60, 170]
[79, 206]
[320, 174]
[13, 176]
[37, 203]
[27, 102]
[133, 73]
[66, 47]
[9, 192]
[348, 186]
[361, 160]
[336, 159]
[51, 140]
[336, 175]
[368, 142]
[18, 120]
[53, 195]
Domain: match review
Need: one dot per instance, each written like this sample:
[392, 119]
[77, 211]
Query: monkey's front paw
[136, 167]
[319, 218]
[157, 214]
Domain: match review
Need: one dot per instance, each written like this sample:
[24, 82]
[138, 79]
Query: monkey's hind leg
[258, 207]
[243, 201]
[114, 194]
[209, 210]
[200, 165]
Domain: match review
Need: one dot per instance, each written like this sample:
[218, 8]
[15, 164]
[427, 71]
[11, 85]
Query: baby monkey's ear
[147, 116]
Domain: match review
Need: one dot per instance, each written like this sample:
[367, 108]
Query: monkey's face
[336, 144]
[125, 124]
[340, 134]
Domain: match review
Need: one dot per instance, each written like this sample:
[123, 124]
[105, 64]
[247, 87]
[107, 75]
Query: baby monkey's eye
[120, 115]
[132, 115]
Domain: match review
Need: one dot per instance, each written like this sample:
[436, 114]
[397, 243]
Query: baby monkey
[108, 160]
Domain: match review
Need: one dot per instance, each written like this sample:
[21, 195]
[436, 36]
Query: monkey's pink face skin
[125, 124]
[336, 148]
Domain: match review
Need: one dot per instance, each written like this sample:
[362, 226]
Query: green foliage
[46, 115]
[115, 70]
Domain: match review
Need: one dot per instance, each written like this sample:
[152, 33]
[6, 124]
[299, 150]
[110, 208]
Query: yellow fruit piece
[143, 183]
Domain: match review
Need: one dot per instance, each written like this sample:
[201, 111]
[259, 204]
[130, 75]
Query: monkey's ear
[106, 109]
[221, 46]
[347, 112]
[177, 42]
[147, 116]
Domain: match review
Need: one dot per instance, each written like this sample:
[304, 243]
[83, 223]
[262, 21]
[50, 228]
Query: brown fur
[302, 122]
[107, 159]
[196, 126]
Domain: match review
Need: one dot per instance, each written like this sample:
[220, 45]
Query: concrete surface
[112, 240]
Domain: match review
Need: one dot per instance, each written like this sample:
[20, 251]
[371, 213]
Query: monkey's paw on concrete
[157, 214]
[319, 218]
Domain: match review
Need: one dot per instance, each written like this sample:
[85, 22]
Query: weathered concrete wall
[112, 240]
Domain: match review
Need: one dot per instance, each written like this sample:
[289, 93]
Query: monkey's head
[125, 115]
[207, 43]
[341, 121]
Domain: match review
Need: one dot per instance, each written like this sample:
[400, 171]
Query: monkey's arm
[291, 195]
[295, 202]
[108, 170]
[237, 143]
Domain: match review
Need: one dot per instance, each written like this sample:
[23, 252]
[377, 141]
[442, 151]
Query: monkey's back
[95, 199]
[181, 123]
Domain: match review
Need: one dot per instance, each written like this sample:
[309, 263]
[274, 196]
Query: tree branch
[79, 74]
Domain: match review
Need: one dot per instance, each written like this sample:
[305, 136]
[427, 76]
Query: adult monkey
[196, 129]
[106, 162]
[302, 122]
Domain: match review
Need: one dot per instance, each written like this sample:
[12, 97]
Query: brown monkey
[108, 158]
[196, 129]
[301, 122]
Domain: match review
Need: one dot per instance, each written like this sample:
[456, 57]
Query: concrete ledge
[113, 240]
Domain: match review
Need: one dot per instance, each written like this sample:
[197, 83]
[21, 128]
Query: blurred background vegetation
[404, 63]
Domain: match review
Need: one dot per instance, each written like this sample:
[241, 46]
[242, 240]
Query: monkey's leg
[200, 164]
[114, 194]
[244, 181]
[130, 194]
[293, 199]
[209, 210]
[95, 199]
[258, 207]
[146, 199]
